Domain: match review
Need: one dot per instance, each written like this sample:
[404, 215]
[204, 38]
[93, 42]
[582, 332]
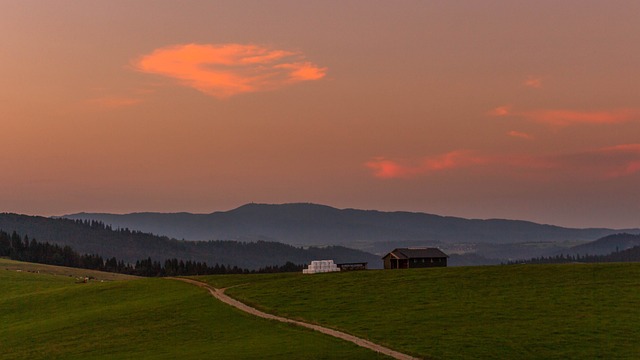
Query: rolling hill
[607, 245]
[96, 238]
[54, 317]
[570, 311]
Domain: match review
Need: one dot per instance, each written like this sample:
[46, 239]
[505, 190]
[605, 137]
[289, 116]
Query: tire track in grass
[220, 295]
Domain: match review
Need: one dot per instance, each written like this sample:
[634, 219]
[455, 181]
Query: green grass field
[44, 316]
[534, 311]
[6, 264]
[502, 312]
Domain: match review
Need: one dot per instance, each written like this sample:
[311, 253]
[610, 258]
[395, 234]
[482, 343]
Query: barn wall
[387, 262]
[427, 262]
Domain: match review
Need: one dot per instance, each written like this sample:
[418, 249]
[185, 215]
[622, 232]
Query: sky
[479, 109]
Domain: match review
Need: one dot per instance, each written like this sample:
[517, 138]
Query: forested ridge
[20, 248]
[627, 255]
[94, 237]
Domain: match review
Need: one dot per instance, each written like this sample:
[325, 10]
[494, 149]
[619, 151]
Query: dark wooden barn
[405, 258]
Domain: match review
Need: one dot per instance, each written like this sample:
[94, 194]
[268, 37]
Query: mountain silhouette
[304, 224]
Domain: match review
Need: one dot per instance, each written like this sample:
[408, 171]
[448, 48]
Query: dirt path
[220, 295]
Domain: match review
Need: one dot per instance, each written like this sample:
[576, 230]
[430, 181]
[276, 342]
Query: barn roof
[410, 253]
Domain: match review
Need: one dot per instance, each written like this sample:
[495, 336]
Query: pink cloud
[571, 117]
[603, 163]
[615, 161]
[503, 110]
[596, 164]
[520, 135]
[229, 69]
[563, 118]
[384, 168]
[533, 82]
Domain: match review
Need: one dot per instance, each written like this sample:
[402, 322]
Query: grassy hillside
[503, 312]
[52, 317]
[6, 264]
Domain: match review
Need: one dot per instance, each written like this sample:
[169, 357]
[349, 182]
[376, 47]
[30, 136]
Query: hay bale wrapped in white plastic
[321, 266]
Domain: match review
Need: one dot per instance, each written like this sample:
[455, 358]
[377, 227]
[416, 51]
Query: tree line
[21, 248]
[628, 255]
[96, 237]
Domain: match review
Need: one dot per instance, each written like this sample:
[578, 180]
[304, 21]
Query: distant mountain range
[305, 224]
[93, 237]
[256, 235]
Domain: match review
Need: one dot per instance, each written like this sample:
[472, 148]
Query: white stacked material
[321, 266]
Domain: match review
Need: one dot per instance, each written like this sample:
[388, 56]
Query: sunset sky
[480, 109]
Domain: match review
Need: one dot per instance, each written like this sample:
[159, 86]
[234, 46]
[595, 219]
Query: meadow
[572, 311]
[19, 266]
[46, 316]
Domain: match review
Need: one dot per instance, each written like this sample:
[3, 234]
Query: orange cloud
[229, 69]
[609, 162]
[615, 161]
[570, 117]
[563, 118]
[501, 111]
[519, 134]
[603, 163]
[533, 82]
[384, 168]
